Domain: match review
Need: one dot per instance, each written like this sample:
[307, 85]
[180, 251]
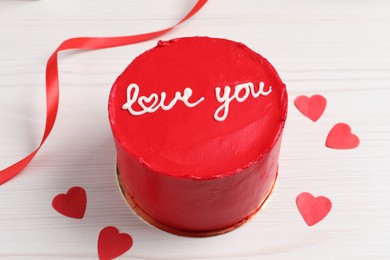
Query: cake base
[141, 213]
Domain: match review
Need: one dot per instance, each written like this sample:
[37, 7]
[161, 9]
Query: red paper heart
[313, 209]
[341, 137]
[112, 244]
[311, 107]
[71, 204]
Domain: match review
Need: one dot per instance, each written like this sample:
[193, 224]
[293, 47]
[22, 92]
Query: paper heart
[313, 209]
[112, 244]
[311, 107]
[341, 137]
[71, 204]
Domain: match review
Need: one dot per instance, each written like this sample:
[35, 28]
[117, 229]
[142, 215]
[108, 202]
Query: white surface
[335, 48]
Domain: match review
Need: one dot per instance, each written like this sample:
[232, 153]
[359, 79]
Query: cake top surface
[198, 107]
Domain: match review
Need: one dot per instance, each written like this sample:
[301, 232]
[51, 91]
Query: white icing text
[153, 102]
[149, 104]
[241, 93]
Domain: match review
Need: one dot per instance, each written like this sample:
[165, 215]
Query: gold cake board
[188, 233]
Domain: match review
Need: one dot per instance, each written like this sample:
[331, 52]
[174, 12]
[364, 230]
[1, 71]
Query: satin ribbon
[52, 83]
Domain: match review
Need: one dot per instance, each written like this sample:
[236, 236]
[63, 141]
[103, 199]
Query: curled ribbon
[52, 83]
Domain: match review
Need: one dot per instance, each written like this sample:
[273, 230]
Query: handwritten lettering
[153, 102]
[241, 93]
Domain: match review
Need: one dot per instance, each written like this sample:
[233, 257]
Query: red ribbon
[52, 84]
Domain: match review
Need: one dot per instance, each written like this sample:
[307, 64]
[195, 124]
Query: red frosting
[182, 167]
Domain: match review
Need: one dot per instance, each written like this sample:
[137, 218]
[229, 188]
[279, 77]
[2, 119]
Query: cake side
[196, 207]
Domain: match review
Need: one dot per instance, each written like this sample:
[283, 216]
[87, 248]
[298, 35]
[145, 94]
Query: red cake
[197, 124]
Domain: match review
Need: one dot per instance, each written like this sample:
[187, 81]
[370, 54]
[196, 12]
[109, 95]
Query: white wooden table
[339, 49]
